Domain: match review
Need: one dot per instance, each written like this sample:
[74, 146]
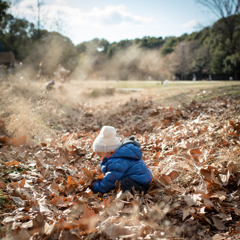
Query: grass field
[27, 108]
[153, 84]
[174, 92]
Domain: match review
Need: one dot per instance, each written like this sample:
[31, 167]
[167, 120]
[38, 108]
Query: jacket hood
[130, 151]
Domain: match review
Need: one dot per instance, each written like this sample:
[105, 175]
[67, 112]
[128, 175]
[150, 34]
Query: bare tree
[227, 10]
[37, 13]
[39, 4]
[39, 7]
[222, 8]
[179, 60]
[42, 15]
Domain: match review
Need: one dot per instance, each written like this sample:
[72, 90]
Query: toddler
[120, 162]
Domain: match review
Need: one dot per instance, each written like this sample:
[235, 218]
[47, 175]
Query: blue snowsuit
[126, 162]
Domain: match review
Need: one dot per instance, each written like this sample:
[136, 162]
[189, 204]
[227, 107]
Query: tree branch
[222, 8]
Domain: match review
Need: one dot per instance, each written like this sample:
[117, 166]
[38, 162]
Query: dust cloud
[132, 63]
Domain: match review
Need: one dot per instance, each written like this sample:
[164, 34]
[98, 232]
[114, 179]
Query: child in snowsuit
[120, 162]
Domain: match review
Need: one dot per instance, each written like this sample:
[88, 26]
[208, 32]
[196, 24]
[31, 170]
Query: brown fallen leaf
[54, 185]
[237, 211]
[207, 171]
[43, 144]
[2, 185]
[88, 219]
[209, 203]
[215, 179]
[232, 167]
[66, 235]
[19, 233]
[87, 172]
[116, 231]
[16, 142]
[221, 195]
[61, 224]
[22, 183]
[218, 223]
[12, 163]
[202, 217]
[4, 140]
[107, 202]
[238, 226]
[165, 178]
[27, 225]
[70, 181]
[88, 232]
[191, 200]
[57, 201]
[48, 229]
[195, 153]
[186, 212]
[146, 230]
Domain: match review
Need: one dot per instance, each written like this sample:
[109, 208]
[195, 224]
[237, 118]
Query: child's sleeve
[103, 169]
[114, 173]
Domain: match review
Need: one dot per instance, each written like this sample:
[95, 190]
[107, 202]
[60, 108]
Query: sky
[115, 20]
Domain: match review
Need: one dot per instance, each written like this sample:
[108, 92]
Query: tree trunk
[236, 75]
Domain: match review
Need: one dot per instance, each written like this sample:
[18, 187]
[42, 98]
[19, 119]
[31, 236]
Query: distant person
[50, 85]
[62, 72]
[194, 77]
[165, 83]
[120, 162]
[40, 70]
[210, 78]
[12, 65]
[12, 68]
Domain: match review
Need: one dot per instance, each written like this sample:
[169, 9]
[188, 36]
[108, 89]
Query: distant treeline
[211, 51]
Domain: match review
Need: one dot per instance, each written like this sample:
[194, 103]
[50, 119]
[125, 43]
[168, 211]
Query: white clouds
[190, 24]
[114, 15]
[108, 22]
[110, 15]
[60, 2]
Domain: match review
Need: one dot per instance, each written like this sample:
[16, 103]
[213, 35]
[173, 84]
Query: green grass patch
[97, 92]
[226, 91]
[16, 170]
[137, 85]
[2, 198]
[157, 84]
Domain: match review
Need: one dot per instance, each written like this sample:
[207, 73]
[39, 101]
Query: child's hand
[99, 170]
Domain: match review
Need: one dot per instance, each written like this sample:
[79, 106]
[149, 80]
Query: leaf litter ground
[192, 151]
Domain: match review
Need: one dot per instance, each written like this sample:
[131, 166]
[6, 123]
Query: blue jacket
[125, 162]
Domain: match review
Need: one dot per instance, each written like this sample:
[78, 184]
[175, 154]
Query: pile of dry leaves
[193, 153]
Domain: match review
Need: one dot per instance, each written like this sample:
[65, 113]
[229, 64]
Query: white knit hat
[106, 141]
